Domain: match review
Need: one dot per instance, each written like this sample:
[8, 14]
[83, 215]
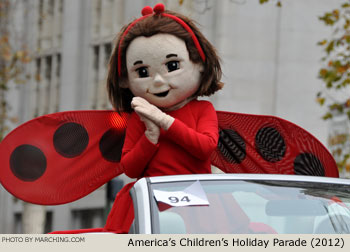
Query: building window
[48, 71]
[57, 84]
[18, 223]
[18, 227]
[100, 57]
[48, 222]
[95, 71]
[108, 52]
[37, 88]
[96, 17]
[107, 19]
[48, 58]
[47, 77]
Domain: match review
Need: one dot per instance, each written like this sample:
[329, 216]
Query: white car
[241, 204]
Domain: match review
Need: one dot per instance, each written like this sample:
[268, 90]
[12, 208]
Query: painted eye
[173, 65]
[142, 72]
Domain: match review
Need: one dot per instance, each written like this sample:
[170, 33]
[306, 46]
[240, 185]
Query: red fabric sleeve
[202, 141]
[137, 149]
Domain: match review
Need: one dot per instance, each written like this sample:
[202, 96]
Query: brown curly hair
[147, 27]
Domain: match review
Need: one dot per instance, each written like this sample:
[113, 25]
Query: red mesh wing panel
[267, 144]
[61, 157]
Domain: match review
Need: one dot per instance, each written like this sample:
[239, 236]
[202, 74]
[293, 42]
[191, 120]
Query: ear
[200, 67]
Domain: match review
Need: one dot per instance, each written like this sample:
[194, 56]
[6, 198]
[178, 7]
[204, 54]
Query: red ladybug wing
[58, 158]
[268, 144]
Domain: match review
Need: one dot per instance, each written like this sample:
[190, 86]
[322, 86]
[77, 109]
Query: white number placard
[193, 195]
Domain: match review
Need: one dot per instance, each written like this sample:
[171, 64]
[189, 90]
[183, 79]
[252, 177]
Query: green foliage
[335, 72]
[278, 3]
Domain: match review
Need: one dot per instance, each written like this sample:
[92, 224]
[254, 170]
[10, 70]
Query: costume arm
[137, 149]
[202, 141]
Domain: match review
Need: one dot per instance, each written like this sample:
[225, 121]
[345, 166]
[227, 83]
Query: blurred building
[269, 58]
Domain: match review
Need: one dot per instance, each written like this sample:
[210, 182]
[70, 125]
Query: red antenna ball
[159, 8]
[146, 10]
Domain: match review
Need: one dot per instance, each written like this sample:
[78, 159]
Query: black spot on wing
[28, 163]
[111, 144]
[70, 140]
[232, 146]
[308, 164]
[270, 144]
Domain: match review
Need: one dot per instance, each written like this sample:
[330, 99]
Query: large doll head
[164, 58]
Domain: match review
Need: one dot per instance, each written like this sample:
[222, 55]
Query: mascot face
[160, 70]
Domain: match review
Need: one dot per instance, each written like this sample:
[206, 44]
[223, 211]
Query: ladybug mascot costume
[160, 65]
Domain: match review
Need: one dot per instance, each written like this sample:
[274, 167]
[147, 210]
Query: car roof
[231, 176]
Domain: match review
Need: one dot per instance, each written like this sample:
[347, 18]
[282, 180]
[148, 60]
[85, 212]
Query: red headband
[158, 10]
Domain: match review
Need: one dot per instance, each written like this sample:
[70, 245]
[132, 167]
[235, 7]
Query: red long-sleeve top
[185, 148]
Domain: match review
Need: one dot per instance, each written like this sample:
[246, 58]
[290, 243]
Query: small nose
[158, 80]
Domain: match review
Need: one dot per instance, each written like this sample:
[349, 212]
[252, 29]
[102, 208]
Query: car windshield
[255, 206]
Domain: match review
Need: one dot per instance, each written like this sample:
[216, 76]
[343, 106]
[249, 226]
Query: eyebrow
[171, 55]
[138, 62]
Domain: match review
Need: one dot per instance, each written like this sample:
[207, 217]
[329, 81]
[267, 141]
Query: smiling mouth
[162, 94]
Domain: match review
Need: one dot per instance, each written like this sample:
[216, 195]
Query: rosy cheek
[138, 87]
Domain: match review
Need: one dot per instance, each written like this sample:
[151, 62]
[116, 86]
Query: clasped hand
[153, 118]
